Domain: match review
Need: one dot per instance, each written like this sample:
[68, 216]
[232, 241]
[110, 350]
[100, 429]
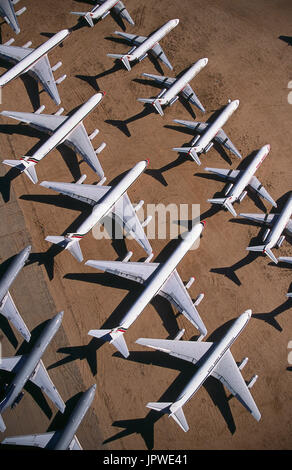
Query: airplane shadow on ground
[145, 426]
[123, 125]
[287, 39]
[269, 317]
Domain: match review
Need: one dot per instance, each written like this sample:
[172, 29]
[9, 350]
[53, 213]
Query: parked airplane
[103, 9]
[10, 16]
[31, 367]
[203, 143]
[7, 306]
[142, 45]
[174, 86]
[286, 259]
[214, 359]
[273, 236]
[64, 439]
[35, 62]
[161, 279]
[105, 200]
[240, 180]
[64, 129]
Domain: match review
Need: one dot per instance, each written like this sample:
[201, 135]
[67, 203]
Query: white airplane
[214, 359]
[64, 439]
[273, 236]
[142, 45]
[240, 180]
[31, 367]
[173, 86]
[286, 259]
[35, 62]
[10, 16]
[161, 279]
[63, 129]
[203, 143]
[102, 9]
[105, 200]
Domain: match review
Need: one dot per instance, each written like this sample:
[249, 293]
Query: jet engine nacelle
[229, 187]
[267, 231]
[179, 335]
[243, 363]
[280, 241]
[105, 14]
[252, 381]
[128, 256]
[139, 205]
[190, 282]
[143, 57]
[161, 93]
[173, 100]
[195, 140]
[17, 399]
[81, 179]
[198, 299]
[147, 260]
[146, 221]
[242, 196]
[57, 66]
[208, 147]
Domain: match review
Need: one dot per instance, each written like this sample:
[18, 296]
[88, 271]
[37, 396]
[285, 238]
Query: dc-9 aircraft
[105, 200]
[172, 87]
[207, 132]
[31, 367]
[213, 359]
[10, 15]
[278, 223]
[142, 45]
[35, 62]
[7, 306]
[161, 279]
[102, 9]
[241, 179]
[64, 439]
[63, 129]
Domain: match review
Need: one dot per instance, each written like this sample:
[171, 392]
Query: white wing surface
[120, 9]
[88, 193]
[267, 219]
[8, 13]
[190, 351]
[9, 310]
[44, 122]
[8, 363]
[191, 96]
[132, 38]
[43, 72]
[222, 139]
[134, 271]
[14, 53]
[199, 127]
[259, 188]
[158, 53]
[41, 378]
[226, 174]
[165, 81]
[34, 440]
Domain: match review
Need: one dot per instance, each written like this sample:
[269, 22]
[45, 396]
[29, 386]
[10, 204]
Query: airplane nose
[249, 312]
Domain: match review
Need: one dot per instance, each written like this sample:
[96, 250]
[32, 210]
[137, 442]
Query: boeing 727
[273, 235]
[142, 45]
[240, 180]
[10, 16]
[63, 129]
[161, 279]
[210, 131]
[34, 62]
[102, 9]
[174, 86]
[105, 200]
[31, 367]
[214, 359]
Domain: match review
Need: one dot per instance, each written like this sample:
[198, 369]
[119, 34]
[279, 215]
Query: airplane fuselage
[280, 224]
[30, 362]
[211, 359]
[99, 10]
[215, 127]
[30, 60]
[10, 274]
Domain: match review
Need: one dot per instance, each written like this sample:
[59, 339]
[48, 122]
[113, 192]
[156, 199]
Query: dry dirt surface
[247, 61]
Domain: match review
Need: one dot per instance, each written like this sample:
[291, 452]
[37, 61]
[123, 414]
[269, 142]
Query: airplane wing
[191, 96]
[88, 193]
[222, 139]
[199, 127]
[258, 187]
[8, 13]
[14, 53]
[134, 271]
[190, 351]
[228, 174]
[125, 212]
[132, 38]
[9, 363]
[157, 51]
[42, 122]
[165, 81]
[267, 219]
[9, 310]
[41, 378]
[43, 72]
[79, 140]
[120, 9]
[34, 440]
[75, 444]
[175, 291]
[229, 374]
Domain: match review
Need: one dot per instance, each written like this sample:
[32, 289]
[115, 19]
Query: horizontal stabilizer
[2, 424]
[160, 406]
[190, 151]
[154, 102]
[123, 58]
[68, 244]
[22, 165]
[265, 250]
[115, 337]
[224, 202]
[180, 419]
[85, 15]
[120, 343]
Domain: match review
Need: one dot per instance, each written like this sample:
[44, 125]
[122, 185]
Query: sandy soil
[247, 61]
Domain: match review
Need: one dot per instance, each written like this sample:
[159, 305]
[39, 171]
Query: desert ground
[247, 61]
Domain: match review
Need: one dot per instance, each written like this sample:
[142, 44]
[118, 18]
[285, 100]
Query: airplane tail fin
[25, 166]
[68, 243]
[154, 102]
[86, 16]
[266, 250]
[115, 337]
[224, 202]
[190, 151]
[177, 415]
[123, 58]
[2, 424]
